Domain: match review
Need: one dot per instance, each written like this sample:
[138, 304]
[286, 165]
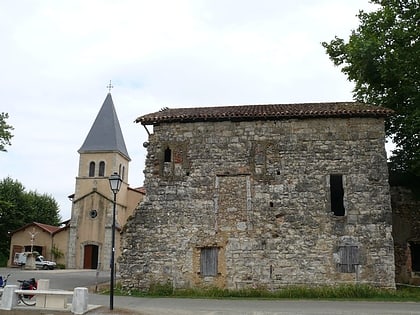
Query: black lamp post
[115, 183]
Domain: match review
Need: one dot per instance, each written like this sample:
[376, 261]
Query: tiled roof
[46, 227]
[264, 112]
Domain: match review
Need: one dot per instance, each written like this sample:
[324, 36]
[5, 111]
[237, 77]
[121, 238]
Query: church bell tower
[102, 153]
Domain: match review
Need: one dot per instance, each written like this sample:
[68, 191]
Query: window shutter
[349, 258]
[208, 263]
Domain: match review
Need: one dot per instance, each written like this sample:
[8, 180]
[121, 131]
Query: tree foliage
[19, 207]
[5, 132]
[382, 58]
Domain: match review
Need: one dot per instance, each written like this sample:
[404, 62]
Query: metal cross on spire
[109, 86]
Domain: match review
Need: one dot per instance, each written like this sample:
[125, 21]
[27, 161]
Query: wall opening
[337, 194]
[35, 248]
[415, 256]
[91, 169]
[168, 155]
[102, 168]
[349, 258]
[121, 171]
[208, 261]
[91, 255]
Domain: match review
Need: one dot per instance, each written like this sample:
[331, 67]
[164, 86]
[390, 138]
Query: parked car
[44, 264]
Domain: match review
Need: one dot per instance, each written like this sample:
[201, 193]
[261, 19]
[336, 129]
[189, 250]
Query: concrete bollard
[9, 298]
[41, 299]
[79, 304]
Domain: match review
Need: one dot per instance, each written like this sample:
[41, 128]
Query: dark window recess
[349, 258]
[92, 169]
[37, 249]
[102, 168]
[208, 261]
[271, 204]
[337, 194]
[168, 155]
[415, 257]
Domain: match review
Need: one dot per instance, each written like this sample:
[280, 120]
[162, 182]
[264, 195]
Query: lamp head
[115, 182]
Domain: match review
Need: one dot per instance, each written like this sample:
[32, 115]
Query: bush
[3, 260]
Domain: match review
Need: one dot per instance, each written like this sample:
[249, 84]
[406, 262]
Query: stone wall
[406, 233]
[259, 193]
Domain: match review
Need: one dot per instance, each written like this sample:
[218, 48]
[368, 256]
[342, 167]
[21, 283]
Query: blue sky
[57, 58]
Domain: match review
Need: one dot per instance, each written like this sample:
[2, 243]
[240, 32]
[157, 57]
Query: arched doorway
[90, 256]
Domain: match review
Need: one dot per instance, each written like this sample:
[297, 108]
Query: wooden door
[90, 257]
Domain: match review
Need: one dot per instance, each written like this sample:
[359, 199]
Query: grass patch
[341, 292]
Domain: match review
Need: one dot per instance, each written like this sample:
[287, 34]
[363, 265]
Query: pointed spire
[105, 134]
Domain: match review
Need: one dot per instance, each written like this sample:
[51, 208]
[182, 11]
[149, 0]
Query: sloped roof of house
[51, 229]
[105, 134]
[263, 112]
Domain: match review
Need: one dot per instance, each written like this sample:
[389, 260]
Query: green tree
[382, 58]
[19, 207]
[5, 132]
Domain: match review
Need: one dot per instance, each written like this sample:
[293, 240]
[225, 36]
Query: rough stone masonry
[262, 196]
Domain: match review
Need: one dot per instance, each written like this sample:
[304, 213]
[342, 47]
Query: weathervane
[109, 86]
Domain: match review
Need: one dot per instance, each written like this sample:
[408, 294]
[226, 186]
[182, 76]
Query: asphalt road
[69, 279]
[66, 279]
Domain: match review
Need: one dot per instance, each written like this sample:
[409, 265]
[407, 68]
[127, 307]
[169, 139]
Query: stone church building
[102, 153]
[85, 240]
[255, 196]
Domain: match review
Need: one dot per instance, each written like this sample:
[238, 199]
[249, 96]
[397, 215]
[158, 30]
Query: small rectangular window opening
[415, 257]
[208, 261]
[168, 155]
[337, 194]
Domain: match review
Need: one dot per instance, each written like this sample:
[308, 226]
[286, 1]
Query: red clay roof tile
[264, 112]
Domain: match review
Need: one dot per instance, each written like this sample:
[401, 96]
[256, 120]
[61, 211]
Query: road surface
[69, 279]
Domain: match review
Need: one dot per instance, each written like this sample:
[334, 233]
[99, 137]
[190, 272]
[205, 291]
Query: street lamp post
[115, 183]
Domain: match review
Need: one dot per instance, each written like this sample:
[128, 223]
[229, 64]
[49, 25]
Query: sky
[58, 57]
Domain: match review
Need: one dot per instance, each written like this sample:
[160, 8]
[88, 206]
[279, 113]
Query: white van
[40, 263]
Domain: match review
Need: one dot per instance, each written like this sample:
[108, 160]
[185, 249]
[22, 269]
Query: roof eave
[146, 121]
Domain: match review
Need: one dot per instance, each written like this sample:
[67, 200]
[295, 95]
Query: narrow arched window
[92, 169]
[102, 168]
[123, 173]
